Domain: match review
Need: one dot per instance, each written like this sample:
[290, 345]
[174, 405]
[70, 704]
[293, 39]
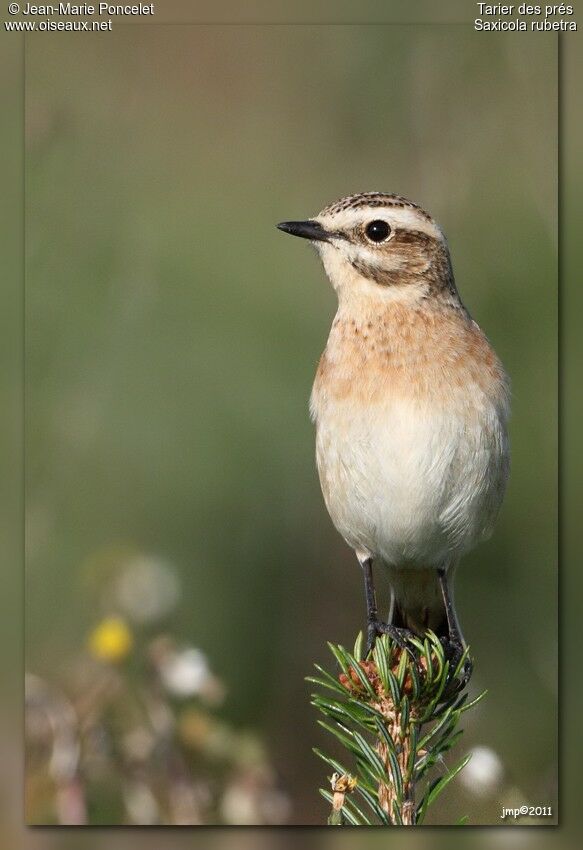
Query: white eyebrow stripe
[397, 217]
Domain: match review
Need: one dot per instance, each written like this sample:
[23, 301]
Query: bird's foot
[375, 628]
[454, 651]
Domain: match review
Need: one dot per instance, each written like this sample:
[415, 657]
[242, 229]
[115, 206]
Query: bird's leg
[374, 626]
[454, 643]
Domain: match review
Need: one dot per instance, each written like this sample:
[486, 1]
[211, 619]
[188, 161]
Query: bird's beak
[306, 229]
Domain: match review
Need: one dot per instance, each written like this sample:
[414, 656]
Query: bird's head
[381, 245]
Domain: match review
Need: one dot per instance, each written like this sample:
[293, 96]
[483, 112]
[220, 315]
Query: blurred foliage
[172, 336]
[132, 734]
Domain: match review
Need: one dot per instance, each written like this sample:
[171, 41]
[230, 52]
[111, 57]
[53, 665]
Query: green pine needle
[393, 714]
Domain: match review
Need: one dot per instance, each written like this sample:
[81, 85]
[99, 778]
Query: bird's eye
[377, 230]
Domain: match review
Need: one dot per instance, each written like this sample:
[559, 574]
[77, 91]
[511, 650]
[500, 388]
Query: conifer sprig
[395, 713]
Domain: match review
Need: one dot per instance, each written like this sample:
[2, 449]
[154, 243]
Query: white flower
[185, 672]
[141, 804]
[239, 805]
[483, 773]
[147, 589]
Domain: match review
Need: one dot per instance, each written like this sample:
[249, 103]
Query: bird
[411, 405]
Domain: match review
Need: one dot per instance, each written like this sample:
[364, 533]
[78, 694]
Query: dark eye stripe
[381, 276]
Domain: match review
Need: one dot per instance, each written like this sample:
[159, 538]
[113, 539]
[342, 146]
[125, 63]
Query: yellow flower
[111, 640]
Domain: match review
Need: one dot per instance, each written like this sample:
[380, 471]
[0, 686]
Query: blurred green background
[172, 335]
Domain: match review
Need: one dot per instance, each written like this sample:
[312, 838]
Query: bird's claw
[375, 628]
[454, 650]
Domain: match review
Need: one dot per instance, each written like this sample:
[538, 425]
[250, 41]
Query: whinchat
[410, 404]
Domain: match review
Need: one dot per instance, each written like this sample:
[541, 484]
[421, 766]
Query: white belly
[409, 483]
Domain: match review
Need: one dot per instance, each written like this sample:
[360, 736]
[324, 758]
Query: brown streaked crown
[373, 199]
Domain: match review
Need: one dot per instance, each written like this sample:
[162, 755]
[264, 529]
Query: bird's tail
[417, 601]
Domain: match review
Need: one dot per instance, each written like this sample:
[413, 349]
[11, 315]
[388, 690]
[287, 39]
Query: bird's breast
[410, 412]
[437, 355]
